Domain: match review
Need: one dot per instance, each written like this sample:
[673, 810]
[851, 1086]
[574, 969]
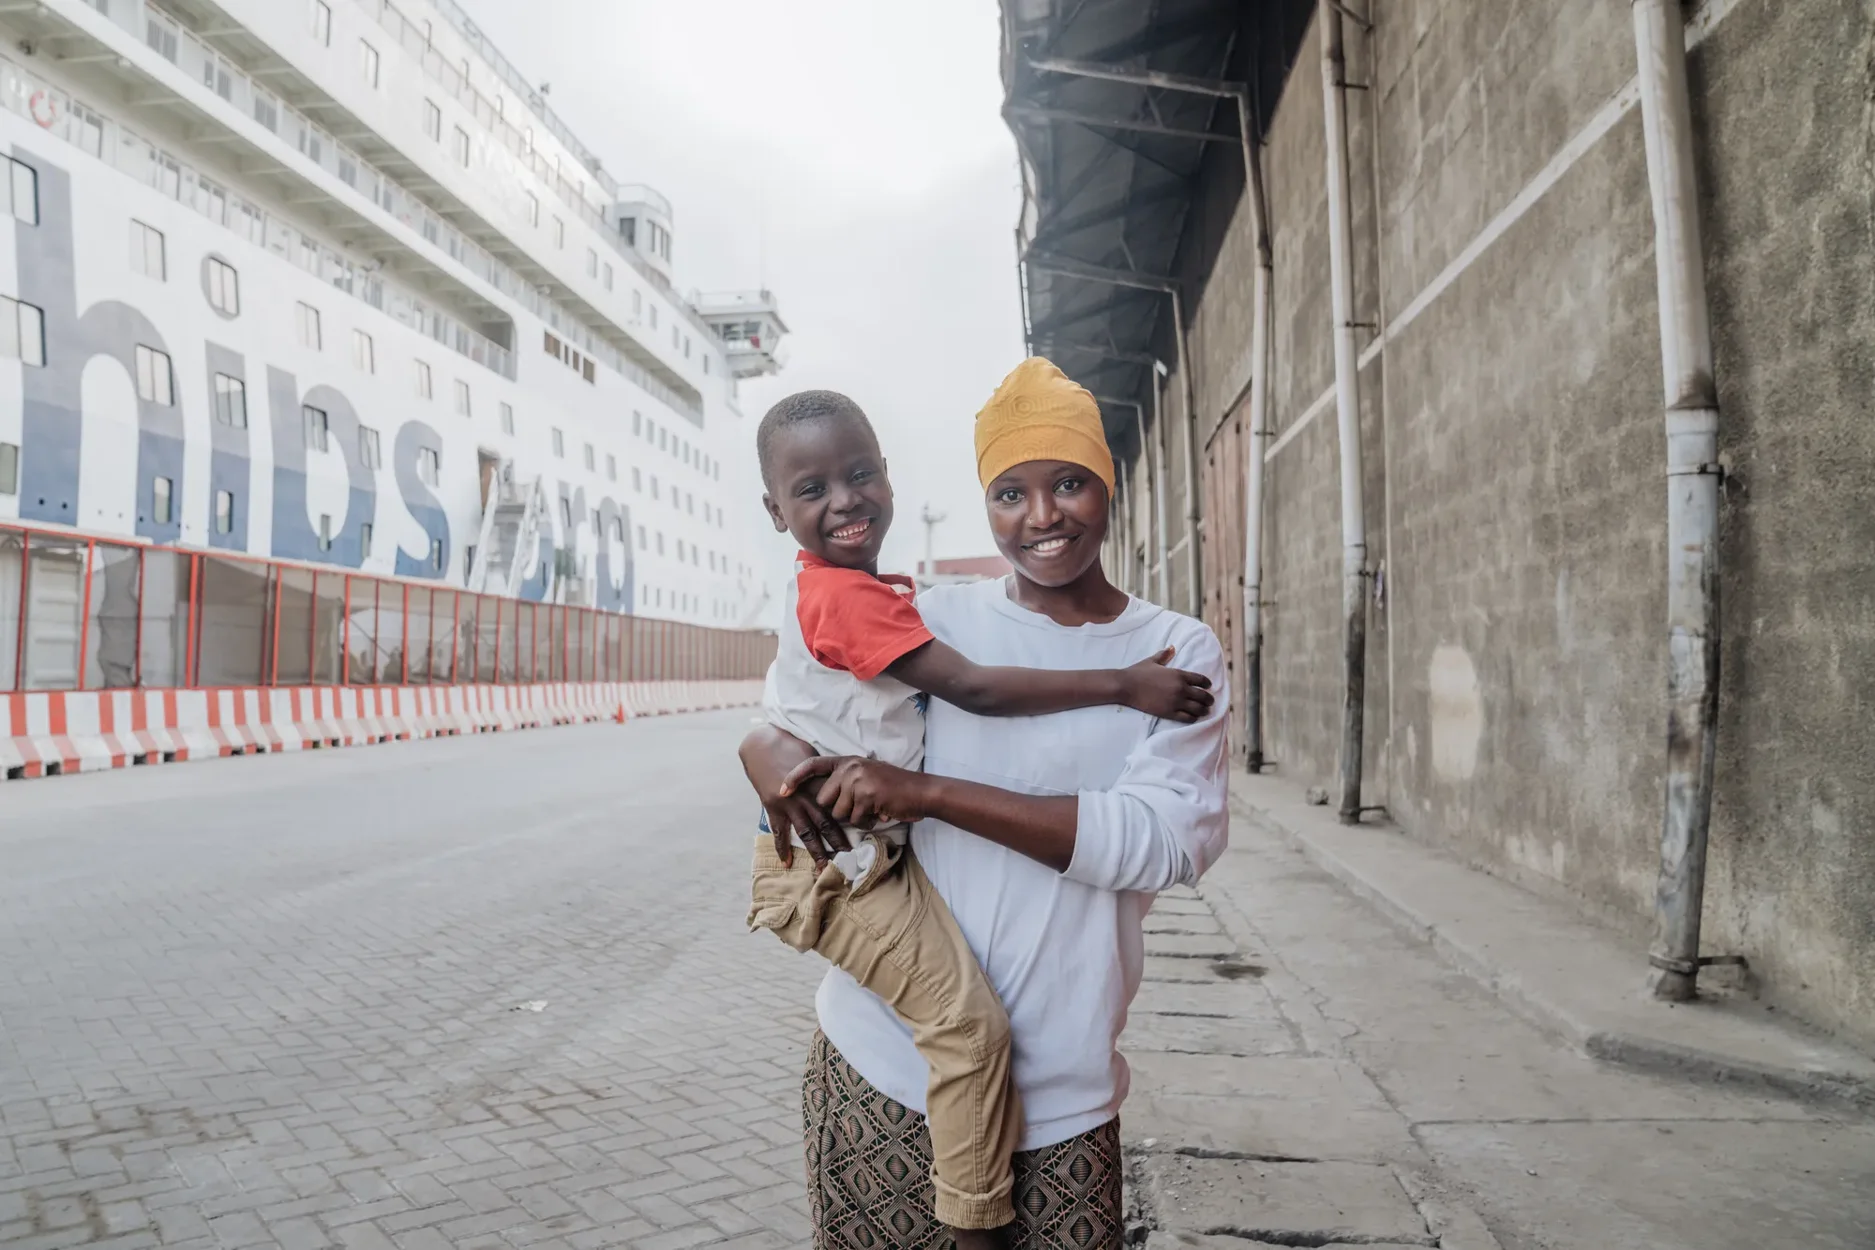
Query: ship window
[426, 387]
[533, 209]
[462, 147]
[368, 62]
[432, 121]
[146, 251]
[322, 22]
[592, 263]
[586, 370]
[559, 233]
[22, 332]
[436, 554]
[618, 530]
[429, 465]
[654, 486]
[318, 428]
[9, 469]
[364, 352]
[161, 34]
[638, 424]
[706, 365]
[155, 382]
[507, 418]
[566, 512]
[325, 531]
[638, 304]
[462, 398]
[611, 468]
[224, 512]
[162, 493]
[559, 444]
[608, 276]
[369, 449]
[592, 464]
[598, 523]
[638, 481]
[309, 335]
[23, 187]
[660, 542]
[654, 316]
[664, 442]
[643, 541]
[224, 287]
[364, 541]
[230, 401]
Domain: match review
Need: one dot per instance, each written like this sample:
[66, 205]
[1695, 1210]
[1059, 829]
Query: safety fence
[83, 614]
[60, 732]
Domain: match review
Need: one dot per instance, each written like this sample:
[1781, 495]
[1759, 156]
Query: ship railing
[123, 149]
[517, 141]
[179, 46]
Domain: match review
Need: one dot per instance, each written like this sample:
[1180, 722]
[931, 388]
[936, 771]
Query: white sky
[849, 154]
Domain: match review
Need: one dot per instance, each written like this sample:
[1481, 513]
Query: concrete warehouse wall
[1515, 455]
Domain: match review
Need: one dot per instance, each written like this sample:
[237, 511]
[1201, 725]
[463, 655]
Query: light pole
[932, 519]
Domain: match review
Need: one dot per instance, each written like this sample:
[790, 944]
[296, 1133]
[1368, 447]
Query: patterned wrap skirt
[869, 1173]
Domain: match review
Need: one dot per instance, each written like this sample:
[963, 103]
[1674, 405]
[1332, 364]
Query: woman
[1047, 837]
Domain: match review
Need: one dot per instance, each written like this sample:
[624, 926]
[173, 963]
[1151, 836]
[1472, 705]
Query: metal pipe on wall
[1693, 474]
[1142, 588]
[1164, 562]
[1194, 583]
[1348, 411]
[1262, 297]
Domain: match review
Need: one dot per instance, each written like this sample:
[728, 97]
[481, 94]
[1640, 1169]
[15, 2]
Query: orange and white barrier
[53, 732]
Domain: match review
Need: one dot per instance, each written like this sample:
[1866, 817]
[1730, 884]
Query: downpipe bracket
[1691, 967]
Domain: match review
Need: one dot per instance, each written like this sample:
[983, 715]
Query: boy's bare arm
[986, 690]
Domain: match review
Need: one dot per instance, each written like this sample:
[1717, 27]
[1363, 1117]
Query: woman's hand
[767, 755]
[862, 792]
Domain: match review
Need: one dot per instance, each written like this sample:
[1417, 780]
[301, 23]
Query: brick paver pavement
[288, 1001]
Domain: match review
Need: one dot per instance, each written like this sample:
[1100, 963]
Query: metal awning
[1117, 112]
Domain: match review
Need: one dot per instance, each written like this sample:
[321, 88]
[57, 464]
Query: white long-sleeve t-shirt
[1064, 950]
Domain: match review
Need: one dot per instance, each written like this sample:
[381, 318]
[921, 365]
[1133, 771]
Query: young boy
[853, 659]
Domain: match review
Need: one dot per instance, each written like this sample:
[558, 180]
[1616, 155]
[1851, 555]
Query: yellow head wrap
[1040, 413]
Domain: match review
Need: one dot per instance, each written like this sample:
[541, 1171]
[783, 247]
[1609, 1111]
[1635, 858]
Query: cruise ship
[326, 350]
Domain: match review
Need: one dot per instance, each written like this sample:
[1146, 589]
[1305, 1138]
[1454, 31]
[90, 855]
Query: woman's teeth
[1049, 546]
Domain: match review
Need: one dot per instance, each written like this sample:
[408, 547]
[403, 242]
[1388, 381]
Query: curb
[1817, 1070]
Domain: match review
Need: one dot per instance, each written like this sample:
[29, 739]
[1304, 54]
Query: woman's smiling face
[1049, 518]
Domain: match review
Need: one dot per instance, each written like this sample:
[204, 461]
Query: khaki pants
[895, 936]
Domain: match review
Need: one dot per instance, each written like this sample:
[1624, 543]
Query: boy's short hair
[798, 409]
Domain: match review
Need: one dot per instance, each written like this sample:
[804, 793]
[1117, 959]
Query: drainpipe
[1348, 412]
[1261, 296]
[1194, 585]
[1692, 422]
[1142, 588]
[1158, 486]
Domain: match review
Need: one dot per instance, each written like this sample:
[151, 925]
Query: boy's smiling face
[827, 486]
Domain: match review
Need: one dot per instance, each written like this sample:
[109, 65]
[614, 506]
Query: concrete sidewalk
[1316, 1064]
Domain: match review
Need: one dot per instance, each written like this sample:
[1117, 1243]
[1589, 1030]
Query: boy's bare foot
[980, 1238]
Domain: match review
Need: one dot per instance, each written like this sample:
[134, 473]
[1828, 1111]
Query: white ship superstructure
[325, 282]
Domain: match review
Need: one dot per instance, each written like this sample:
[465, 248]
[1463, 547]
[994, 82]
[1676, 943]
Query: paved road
[285, 1000]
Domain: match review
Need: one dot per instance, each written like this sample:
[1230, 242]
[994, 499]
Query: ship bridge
[750, 326]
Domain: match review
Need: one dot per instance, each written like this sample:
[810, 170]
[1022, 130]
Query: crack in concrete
[1291, 1237]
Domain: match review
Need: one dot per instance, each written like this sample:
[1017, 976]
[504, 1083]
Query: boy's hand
[767, 754]
[1167, 693]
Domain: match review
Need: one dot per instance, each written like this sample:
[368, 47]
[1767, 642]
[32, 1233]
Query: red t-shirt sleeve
[853, 621]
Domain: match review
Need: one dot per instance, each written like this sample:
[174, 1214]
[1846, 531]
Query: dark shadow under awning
[1110, 168]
